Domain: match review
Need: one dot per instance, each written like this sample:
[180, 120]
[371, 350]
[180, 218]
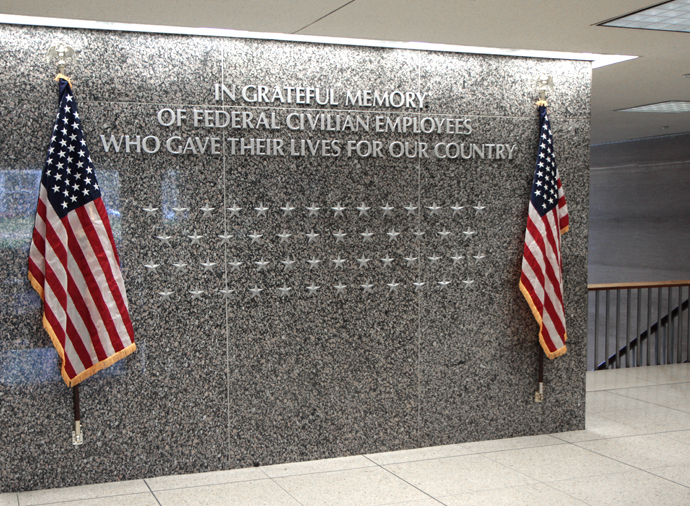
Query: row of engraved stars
[313, 289]
[288, 263]
[338, 210]
[367, 236]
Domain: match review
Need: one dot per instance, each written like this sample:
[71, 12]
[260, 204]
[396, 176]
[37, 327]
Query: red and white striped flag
[541, 281]
[73, 264]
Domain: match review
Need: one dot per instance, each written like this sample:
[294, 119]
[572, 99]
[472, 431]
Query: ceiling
[556, 25]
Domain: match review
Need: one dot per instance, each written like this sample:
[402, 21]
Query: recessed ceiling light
[669, 106]
[673, 16]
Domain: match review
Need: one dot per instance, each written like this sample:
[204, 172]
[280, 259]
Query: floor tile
[243, 493]
[606, 427]
[146, 499]
[457, 475]
[632, 488]
[424, 502]
[557, 462]
[677, 435]
[513, 443]
[612, 379]
[537, 494]
[83, 492]
[666, 374]
[433, 452]
[317, 466]
[652, 420]
[367, 486]
[660, 395]
[606, 400]
[200, 479]
[676, 474]
[643, 452]
[8, 500]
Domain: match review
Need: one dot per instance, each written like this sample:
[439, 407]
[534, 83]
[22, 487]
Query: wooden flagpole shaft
[539, 394]
[77, 436]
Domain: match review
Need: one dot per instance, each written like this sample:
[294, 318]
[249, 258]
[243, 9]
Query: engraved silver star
[226, 292]
[418, 234]
[261, 210]
[255, 291]
[338, 210]
[195, 238]
[340, 288]
[433, 208]
[225, 238]
[196, 294]
[284, 290]
[207, 211]
[312, 289]
[151, 266]
[456, 259]
[469, 233]
[387, 261]
[393, 286]
[445, 234]
[418, 285]
[339, 262]
[468, 283]
[314, 262]
[366, 287]
[410, 261]
[367, 236]
[255, 237]
[208, 265]
[150, 211]
[165, 295]
[313, 210]
[287, 210]
[392, 235]
[387, 210]
[411, 209]
[234, 210]
[179, 211]
[457, 208]
[311, 236]
[165, 239]
[363, 209]
[434, 259]
[288, 263]
[478, 257]
[443, 284]
[339, 235]
[262, 264]
[235, 265]
[363, 262]
[284, 236]
[180, 267]
[478, 208]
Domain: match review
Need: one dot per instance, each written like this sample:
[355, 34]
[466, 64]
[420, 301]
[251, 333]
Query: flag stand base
[539, 395]
[77, 435]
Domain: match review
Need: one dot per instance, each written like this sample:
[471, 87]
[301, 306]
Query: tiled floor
[636, 450]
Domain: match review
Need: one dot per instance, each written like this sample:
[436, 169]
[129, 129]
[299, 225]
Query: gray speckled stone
[226, 382]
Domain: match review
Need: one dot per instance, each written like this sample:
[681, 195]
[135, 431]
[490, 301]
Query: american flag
[541, 281]
[73, 264]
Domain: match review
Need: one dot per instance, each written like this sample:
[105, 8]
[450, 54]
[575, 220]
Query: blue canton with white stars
[545, 186]
[68, 175]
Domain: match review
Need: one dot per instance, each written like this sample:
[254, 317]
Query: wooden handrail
[649, 284]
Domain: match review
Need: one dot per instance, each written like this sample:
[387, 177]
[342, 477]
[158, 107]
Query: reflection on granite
[289, 308]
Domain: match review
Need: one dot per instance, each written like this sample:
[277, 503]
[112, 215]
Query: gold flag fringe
[63, 76]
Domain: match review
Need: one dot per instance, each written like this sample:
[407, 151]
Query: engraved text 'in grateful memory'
[267, 122]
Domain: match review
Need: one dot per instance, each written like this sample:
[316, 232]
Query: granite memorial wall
[321, 246]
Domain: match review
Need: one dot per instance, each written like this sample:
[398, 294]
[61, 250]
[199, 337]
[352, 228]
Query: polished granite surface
[635, 450]
[388, 319]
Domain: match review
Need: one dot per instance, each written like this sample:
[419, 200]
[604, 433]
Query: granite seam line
[153, 493]
[405, 481]
[419, 306]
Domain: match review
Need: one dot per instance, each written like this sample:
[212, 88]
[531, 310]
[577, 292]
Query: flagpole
[77, 436]
[539, 394]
